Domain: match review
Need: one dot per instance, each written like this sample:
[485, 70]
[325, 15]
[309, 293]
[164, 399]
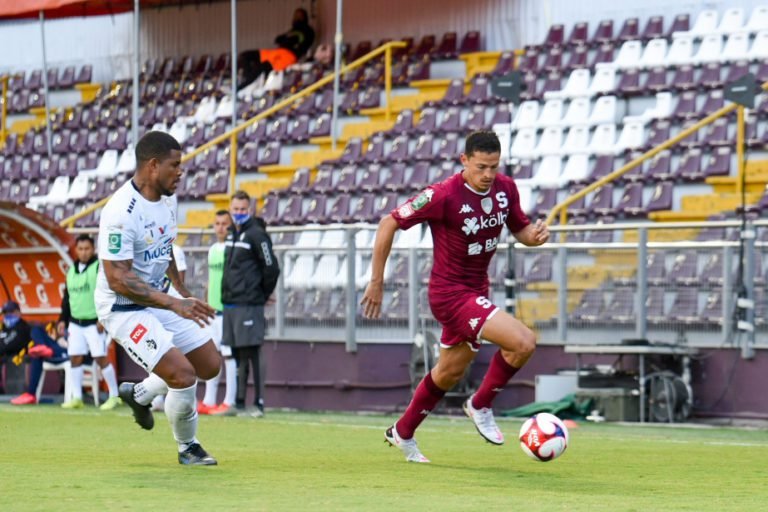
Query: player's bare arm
[175, 277]
[374, 292]
[124, 281]
[534, 234]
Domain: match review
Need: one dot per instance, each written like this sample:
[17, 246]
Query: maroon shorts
[463, 317]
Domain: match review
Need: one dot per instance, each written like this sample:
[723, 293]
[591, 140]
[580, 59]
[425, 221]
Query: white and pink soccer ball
[543, 437]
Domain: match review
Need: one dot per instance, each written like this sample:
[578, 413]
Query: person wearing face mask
[250, 276]
[17, 340]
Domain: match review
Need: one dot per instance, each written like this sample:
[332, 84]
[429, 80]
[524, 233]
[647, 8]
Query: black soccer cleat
[195, 455]
[141, 413]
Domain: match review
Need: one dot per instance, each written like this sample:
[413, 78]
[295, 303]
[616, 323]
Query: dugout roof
[72, 8]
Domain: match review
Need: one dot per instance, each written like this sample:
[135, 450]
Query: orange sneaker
[222, 410]
[43, 351]
[24, 399]
[204, 409]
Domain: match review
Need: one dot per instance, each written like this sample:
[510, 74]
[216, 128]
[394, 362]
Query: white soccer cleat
[407, 446]
[485, 423]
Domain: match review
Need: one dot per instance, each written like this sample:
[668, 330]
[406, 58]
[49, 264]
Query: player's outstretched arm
[124, 281]
[534, 234]
[382, 246]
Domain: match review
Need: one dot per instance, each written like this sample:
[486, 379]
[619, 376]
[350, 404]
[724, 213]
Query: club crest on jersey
[422, 199]
[114, 242]
[405, 210]
[486, 204]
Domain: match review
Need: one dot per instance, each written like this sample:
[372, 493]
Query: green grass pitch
[55, 460]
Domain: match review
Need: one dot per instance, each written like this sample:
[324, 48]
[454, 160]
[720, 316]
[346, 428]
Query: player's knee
[75, 361]
[449, 377]
[181, 377]
[209, 373]
[527, 342]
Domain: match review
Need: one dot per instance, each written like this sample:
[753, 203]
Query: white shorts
[217, 328]
[85, 340]
[147, 334]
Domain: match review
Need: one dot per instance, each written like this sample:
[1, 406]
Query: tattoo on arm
[124, 281]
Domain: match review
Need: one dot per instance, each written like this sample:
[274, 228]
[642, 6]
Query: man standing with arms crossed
[85, 334]
[165, 333]
[221, 224]
[466, 214]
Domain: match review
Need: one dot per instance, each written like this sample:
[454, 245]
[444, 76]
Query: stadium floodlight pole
[336, 78]
[45, 87]
[136, 71]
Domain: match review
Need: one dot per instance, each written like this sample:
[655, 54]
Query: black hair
[242, 194]
[155, 145]
[304, 12]
[482, 141]
[222, 212]
[84, 237]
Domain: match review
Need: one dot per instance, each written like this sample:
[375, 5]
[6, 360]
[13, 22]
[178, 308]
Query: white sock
[76, 374]
[108, 372]
[212, 390]
[149, 388]
[230, 367]
[181, 410]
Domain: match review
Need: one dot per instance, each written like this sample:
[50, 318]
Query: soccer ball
[543, 437]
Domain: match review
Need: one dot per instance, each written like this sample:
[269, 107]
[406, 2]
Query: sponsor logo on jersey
[470, 226]
[473, 323]
[465, 208]
[158, 253]
[137, 333]
[405, 210]
[422, 199]
[486, 204]
[474, 249]
[114, 242]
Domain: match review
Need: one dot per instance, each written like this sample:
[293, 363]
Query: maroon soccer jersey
[466, 227]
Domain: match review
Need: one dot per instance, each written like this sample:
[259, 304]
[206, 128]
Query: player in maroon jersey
[466, 214]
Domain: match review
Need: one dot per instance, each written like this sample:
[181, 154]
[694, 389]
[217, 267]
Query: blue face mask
[10, 320]
[240, 218]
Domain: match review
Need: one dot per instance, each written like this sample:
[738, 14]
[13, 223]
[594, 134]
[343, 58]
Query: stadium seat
[681, 51]
[654, 54]
[706, 23]
[759, 49]
[654, 29]
[629, 55]
[629, 83]
[526, 115]
[603, 141]
[603, 33]
[576, 86]
[551, 114]
[758, 20]
[621, 307]
[589, 308]
[603, 55]
[732, 21]
[710, 49]
[575, 142]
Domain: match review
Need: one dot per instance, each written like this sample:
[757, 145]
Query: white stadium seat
[79, 188]
[603, 140]
[57, 194]
[758, 20]
[526, 115]
[603, 81]
[550, 142]
[629, 55]
[524, 144]
[706, 23]
[710, 49]
[736, 47]
[654, 54]
[732, 21]
[107, 165]
[551, 113]
[546, 175]
[576, 86]
[578, 112]
[576, 168]
[759, 50]
[576, 141]
[604, 111]
[661, 110]
[127, 161]
[632, 137]
[681, 51]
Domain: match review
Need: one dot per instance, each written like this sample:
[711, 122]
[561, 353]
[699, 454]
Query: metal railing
[562, 207]
[231, 135]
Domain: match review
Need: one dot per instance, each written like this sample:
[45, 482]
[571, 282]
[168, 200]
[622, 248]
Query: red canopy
[68, 8]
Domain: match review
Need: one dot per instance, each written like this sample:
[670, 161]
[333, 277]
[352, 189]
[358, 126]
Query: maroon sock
[498, 374]
[424, 399]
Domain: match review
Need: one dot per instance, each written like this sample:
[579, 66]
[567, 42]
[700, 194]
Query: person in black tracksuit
[251, 270]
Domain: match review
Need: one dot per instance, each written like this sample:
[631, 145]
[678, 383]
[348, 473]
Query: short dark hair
[482, 141]
[222, 212]
[155, 145]
[241, 194]
[84, 237]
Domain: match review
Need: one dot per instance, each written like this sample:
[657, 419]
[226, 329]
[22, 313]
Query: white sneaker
[407, 446]
[484, 422]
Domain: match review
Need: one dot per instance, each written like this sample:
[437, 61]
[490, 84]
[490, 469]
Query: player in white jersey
[165, 333]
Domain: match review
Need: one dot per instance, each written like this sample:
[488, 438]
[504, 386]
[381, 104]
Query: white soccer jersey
[133, 228]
